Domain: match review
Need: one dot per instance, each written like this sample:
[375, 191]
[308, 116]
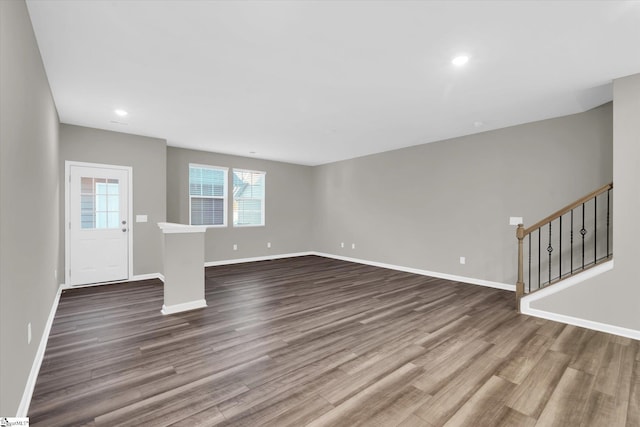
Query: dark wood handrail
[567, 208]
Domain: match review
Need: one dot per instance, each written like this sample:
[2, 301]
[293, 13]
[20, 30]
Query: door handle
[124, 230]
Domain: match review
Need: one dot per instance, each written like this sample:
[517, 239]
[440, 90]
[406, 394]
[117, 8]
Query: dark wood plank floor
[320, 342]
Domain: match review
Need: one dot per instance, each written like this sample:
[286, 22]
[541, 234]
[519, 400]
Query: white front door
[98, 228]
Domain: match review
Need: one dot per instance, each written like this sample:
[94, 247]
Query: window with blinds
[207, 195]
[248, 198]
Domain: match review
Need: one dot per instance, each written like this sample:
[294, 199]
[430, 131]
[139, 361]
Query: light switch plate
[515, 220]
[141, 218]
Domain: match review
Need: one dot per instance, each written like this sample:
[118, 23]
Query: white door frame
[67, 201]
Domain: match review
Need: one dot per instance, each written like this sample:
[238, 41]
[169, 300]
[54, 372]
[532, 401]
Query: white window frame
[263, 204]
[225, 198]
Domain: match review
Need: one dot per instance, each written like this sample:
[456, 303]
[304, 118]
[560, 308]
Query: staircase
[567, 242]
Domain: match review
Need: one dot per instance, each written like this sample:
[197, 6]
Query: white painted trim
[185, 306]
[471, 280]
[202, 165]
[258, 258]
[584, 323]
[23, 408]
[446, 276]
[248, 170]
[148, 276]
[173, 228]
[566, 283]
[67, 201]
[525, 305]
[135, 278]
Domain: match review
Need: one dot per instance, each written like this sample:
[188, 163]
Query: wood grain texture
[567, 406]
[321, 342]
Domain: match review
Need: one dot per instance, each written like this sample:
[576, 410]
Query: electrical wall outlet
[29, 333]
[268, 244]
[353, 246]
[235, 247]
[463, 260]
[342, 244]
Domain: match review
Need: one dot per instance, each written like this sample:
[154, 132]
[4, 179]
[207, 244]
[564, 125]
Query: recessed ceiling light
[120, 112]
[460, 60]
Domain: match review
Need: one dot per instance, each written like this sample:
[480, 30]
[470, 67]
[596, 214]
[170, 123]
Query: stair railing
[586, 228]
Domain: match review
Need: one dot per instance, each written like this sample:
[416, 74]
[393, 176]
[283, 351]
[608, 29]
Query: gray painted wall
[28, 201]
[614, 297]
[147, 157]
[426, 206]
[288, 206]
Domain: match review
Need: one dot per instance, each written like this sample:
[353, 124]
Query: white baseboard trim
[254, 259]
[23, 409]
[584, 323]
[525, 304]
[185, 306]
[135, 278]
[148, 276]
[446, 276]
[471, 280]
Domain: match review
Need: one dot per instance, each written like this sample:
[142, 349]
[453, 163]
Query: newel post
[520, 283]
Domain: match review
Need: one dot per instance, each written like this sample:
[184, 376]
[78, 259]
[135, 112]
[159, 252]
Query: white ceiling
[312, 82]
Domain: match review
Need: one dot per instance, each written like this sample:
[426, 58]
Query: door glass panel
[101, 220]
[86, 185]
[113, 203]
[113, 218]
[87, 219]
[99, 203]
[112, 186]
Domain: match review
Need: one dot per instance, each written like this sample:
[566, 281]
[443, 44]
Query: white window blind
[248, 198]
[207, 195]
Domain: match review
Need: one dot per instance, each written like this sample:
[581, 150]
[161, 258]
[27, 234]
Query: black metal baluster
[595, 229]
[560, 253]
[539, 244]
[561, 239]
[608, 191]
[549, 249]
[529, 262]
[571, 243]
[583, 232]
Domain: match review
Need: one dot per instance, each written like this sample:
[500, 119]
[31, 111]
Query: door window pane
[113, 219]
[99, 203]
